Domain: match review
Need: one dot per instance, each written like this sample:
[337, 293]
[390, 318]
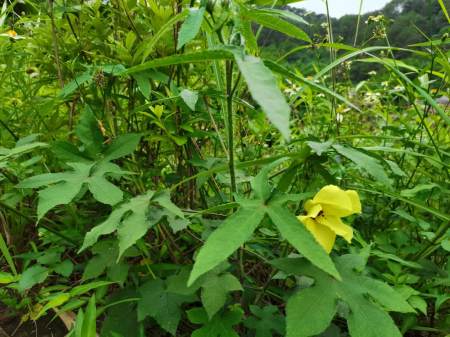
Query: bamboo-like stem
[229, 79]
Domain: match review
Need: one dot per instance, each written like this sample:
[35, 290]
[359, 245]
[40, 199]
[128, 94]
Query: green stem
[29, 218]
[229, 79]
[358, 23]
[428, 249]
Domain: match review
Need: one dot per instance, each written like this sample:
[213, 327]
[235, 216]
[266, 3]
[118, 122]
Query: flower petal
[334, 201]
[354, 199]
[335, 224]
[312, 209]
[324, 236]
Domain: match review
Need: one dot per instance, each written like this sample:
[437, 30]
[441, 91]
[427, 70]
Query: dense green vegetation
[400, 23]
[176, 168]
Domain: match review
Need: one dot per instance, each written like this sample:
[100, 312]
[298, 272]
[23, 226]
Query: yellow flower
[324, 213]
[11, 33]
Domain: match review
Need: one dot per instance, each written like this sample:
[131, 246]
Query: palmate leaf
[63, 187]
[218, 326]
[133, 219]
[239, 227]
[215, 285]
[265, 320]
[311, 310]
[215, 289]
[161, 304]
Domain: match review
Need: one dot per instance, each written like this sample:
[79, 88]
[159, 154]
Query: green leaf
[114, 221]
[54, 301]
[320, 148]
[310, 310]
[299, 237]
[65, 186]
[6, 278]
[148, 45]
[7, 255]
[272, 20]
[122, 146]
[215, 289]
[424, 207]
[244, 26]
[202, 56]
[77, 329]
[191, 26]
[89, 328]
[218, 326]
[316, 305]
[132, 219]
[88, 132]
[418, 303]
[265, 91]
[68, 152]
[84, 288]
[117, 323]
[364, 162]
[260, 184]
[19, 150]
[190, 98]
[230, 235]
[287, 14]
[31, 276]
[265, 320]
[73, 85]
[411, 193]
[444, 9]
[65, 268]
[143, 83]
[274, 66]
[105, 255]
[162, 305]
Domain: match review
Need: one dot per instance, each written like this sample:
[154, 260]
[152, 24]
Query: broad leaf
[191, 26]
[133, 219]
[310, 310]
[89, 133]
[105, 257]
[63, 187]
[272, 20]
[218, 326]
[118, 324]
[215, 289]
[263, 87]
[122, 146]
[365, 162]
[190, 98]
[298, 236]
[265, 320]
[162, 305]
[231, 234]
[32, 276]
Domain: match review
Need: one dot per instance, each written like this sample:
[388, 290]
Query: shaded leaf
[162, 305]
[31, 276]
[218, 326]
